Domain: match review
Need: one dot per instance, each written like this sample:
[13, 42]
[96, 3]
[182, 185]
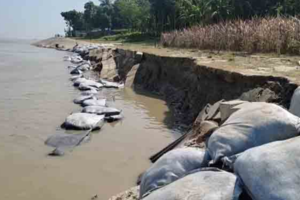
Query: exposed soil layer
[188, 86]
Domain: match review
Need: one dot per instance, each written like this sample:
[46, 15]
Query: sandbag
[101, 110]
[83, 121]
[78, 81]
[206, 184]
[113, 118]
[271, 171]
[92, 102]
[295, 103]
[76, 72]
[172, 166]
[67, 140]
[75, 77]
[254, 124]
[81, 99]
[85, 87]
[92, 91]
[108, 84]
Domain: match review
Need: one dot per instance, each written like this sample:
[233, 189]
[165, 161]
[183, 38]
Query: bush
[280, 35]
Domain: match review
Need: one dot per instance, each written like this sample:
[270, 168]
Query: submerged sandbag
[206, 184]
[113, 118]
[254, 124]
[295, 103]
[271, 171]
[81, 99]
[101, 110]
[67, 140]
[83, 121]
[76, 72]
[172, 166]
[92, 102]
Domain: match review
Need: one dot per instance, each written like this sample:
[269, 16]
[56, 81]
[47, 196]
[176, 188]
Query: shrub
[280, 35]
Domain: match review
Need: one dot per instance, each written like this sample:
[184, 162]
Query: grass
[126, 37]
[260, 35]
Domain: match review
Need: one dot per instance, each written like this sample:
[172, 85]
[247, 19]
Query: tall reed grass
[280, 35]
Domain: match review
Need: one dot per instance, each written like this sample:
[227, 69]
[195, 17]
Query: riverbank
[187, 83]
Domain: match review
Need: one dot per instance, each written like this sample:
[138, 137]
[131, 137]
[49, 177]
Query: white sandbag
[227, 108]
[253, 125]
[83, 121]
[295, 103]
[89, 83]
[108, 84]
[78, 81]
[81, 99]
[207, 184]
[85, 87]
[75, 77]
[92, 102]
[271, 171]
[172, 166]
[92, 91]
[101, 110]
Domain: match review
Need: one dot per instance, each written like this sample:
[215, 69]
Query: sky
[35, 19]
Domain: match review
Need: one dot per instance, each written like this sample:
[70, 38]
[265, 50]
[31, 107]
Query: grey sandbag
[271, 171]
[81, 99]
[206, 184]
[172, 166]
[89, 92]
[108, 84]
[76, 72]
[83, 121]
[78, 81]
[113, 118]
[253, 125]
[67, 140]
[101, 110]
[92, 102]
[295, 103]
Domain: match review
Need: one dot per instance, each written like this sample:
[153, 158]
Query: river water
[36, 97]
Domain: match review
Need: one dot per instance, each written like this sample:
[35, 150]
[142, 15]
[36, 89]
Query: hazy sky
[32, 19]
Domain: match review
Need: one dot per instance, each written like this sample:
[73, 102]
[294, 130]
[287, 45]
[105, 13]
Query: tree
[90, 11]
[74, 20]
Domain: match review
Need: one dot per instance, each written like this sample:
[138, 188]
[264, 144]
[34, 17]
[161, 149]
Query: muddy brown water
[36, 97]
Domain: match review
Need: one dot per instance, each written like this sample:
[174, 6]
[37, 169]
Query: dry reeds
[280, 35]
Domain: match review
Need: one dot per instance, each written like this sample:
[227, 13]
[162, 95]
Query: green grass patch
[123, 36]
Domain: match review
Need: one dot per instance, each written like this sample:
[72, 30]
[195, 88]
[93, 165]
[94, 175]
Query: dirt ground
[260, 64]
[253, 64]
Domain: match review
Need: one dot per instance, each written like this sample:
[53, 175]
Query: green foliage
[74, 20]
[157, 16]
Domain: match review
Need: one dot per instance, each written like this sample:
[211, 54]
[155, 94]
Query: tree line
[157, 16]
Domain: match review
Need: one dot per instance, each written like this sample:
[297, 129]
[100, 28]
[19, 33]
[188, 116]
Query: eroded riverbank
[37, 96]
[186, 85]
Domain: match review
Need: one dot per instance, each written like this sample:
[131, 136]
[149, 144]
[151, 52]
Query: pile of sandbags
[254, 124]
[206, 184]
[172, 166]
[271, 171]
[257, 143]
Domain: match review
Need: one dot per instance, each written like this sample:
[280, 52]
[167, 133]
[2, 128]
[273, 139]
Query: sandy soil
[64, 43]
[260, 64]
